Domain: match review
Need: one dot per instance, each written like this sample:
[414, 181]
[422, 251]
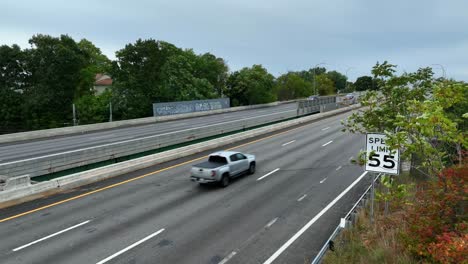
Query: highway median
[33, 191]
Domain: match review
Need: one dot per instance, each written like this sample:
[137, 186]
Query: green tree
[93, 109]
[338, 79]
[317, 71]
[55, 66]
[291, 86]
[412, 110]
[178, 78]
[138, 77]
[325, 86]
[250, 86]
[364, 83]
[13, 75]
[213, 69]
[97, 63]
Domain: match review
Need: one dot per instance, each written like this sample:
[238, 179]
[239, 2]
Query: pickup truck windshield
[217, 159]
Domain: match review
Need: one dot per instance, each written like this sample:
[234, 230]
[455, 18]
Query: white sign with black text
[380, 158]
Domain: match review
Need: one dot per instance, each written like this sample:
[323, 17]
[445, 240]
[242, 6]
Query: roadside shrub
[437, 221]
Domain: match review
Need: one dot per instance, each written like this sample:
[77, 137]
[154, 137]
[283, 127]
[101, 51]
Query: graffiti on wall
[184, 107]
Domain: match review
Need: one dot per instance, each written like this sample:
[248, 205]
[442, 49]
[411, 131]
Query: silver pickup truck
[223, 166]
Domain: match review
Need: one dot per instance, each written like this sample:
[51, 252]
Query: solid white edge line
[131, 246]
[327, 143]
[323, 129]
[226, 259]
[52, 235]
[271, 222]
[268, 174]
[136, 139]
[287, 143]
[302, 197]
[312, 221]
[339, 168]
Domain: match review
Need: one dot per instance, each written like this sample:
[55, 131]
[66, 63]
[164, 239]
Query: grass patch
[379, 242]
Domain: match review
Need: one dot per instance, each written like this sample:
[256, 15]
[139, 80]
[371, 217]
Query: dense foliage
[39, 84]
[426, 120]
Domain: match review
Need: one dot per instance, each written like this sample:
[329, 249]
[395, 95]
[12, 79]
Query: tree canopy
[39, 84]
[339, 80]
[420, 116]
[291, 86]
[324, 85]
[364, 83]
[250, 86]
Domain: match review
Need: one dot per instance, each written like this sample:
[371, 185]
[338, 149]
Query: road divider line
[287, 143]
[329, 142]
[322, 181]
[268, 174]
[52, 235]
[339, 168]
[312, 221]
[271, 222]
[148, 174]
[131, 246]
[323, 129]
[140, 138]
[226, 259]
[302, 197]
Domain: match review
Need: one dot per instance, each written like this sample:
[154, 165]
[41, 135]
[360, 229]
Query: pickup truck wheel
[252, 168]
[225, 181]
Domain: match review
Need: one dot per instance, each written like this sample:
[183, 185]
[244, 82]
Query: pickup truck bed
[209, 165]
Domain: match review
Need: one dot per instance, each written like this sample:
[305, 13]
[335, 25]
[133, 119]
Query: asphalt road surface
[157, 215]
[41, 147]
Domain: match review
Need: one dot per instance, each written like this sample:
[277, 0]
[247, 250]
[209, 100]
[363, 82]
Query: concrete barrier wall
[329, 107]
[76, 158]
[83, 178]
[305, 107]
[12, 183]
[45, 133]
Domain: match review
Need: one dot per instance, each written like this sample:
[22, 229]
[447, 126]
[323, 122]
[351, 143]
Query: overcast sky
[347, 35]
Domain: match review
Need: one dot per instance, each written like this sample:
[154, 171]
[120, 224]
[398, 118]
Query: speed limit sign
[380, 158]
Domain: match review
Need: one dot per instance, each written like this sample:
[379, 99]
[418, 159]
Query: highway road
[282, 214]
[41, 147]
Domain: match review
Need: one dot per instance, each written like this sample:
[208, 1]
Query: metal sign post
[380, 158]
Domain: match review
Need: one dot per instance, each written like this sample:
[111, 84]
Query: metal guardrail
[338, 229]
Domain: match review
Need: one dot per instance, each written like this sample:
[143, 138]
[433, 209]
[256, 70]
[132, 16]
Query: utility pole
[110, 111]
[74, 115]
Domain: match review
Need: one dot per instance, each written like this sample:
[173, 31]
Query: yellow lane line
[137, 178]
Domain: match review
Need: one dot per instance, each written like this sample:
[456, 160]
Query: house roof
[103, 80]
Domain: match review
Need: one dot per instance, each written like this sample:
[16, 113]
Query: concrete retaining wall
[12, 183]
[94, 175]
